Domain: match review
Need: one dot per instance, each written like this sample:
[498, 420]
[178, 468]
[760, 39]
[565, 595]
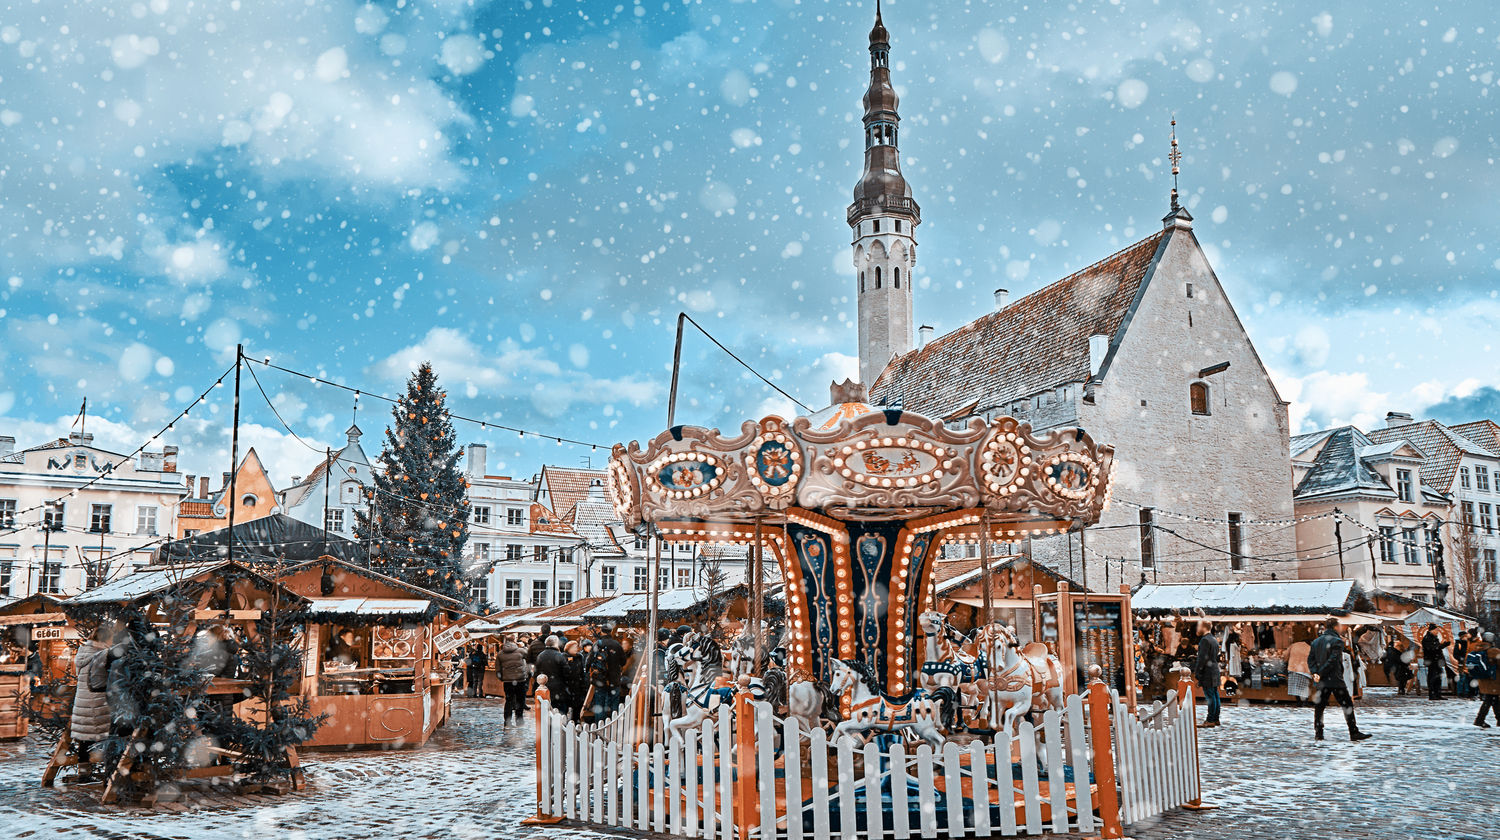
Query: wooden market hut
[375, 656]
[230, 598]
[36, 646]
[959, 589]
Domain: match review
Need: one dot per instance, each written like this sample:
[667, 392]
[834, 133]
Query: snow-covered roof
[369, 606]
[147, 581]
[1252, 596]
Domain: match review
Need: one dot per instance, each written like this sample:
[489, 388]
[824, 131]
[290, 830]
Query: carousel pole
[653, 622]
[984, 567]
[757, 594]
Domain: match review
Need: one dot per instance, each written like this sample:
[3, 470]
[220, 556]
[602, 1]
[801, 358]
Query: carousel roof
[854, 461]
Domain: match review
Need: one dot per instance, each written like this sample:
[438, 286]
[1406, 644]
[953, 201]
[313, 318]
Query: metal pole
[1339, 537]
[676, 367]
[756, 595]
[327, 469]
[651, 628]
[41, 575]
[234, 452]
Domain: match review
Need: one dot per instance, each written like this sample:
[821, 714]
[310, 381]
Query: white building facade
[519, 554]
[335, 491]
[112, 512]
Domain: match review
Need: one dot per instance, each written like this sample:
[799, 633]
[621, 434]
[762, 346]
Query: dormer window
[1403, 485]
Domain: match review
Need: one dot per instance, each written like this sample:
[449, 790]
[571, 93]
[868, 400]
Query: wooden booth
[1084, 629]
[36, 647]
[375, 656]
[959, 585]
[230, 598]
[1265, 631]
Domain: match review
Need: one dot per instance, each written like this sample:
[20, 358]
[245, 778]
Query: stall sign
[44, 634]
[450, 638]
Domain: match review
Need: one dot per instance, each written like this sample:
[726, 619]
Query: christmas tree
[418, 519]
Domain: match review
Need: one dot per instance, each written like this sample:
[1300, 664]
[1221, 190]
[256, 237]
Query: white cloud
[509, 370]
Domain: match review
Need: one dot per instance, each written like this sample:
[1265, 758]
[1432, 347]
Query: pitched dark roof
[1339, 469]
[1041, 341]
[1483, 432]
[1444, 449]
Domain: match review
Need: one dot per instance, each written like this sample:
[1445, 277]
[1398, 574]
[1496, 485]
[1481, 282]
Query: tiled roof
[1443, 447]
[567, 486]
[1486, 433]
[1041, 341]
[1302, 443]
[202, 510]
[1339, 469]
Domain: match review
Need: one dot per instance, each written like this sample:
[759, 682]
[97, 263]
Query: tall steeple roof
[881, 188]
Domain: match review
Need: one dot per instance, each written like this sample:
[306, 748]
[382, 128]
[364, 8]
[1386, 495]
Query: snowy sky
[526, 193]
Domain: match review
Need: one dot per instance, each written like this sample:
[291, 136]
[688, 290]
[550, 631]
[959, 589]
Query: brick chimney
[1396, 419]
[203, 486]
[169, 459]
[7, 445]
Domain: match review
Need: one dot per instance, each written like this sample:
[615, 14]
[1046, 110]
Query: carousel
[863, 710]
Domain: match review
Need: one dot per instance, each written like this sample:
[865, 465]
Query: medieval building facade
[1142, 349]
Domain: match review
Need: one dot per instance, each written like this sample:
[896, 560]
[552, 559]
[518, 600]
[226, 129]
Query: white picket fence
[724, 781]
[1156, 756]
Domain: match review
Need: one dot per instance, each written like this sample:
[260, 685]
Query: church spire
[883, 218]
[1178, 216]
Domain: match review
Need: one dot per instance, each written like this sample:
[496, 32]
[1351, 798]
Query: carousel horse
[875, 711]
[947, 663]
[1027, 678]
[810, 701]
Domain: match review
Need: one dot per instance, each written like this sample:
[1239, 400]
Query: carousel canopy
[1251, 599]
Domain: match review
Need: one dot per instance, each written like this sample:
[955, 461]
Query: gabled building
[342, 479]
[112, 512]
[519, 553]
[209, 510]
[1143, 349]
[1462, 465]
[1396, 532]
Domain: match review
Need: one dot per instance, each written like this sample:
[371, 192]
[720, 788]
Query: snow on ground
[1428, 773]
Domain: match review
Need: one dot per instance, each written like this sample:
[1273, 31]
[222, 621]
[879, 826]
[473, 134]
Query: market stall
[1265, 630]
[374, 655]
[36, 649]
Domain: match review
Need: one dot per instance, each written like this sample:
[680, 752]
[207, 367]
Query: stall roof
[403, 607]
[1350, 620]
[1257, 598]
[277, 537]
[1437, 615]
[151, 580]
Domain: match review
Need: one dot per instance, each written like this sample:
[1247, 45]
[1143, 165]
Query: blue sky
[527, 192]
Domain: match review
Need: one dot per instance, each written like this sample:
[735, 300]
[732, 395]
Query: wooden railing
[745, 773]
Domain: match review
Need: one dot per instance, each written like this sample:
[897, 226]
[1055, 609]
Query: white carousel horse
[810, 701]
[874, 710]
[1026, 679]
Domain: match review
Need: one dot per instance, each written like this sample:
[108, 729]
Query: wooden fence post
[1187, 694]
[1100, 711]
[543, 712]
[746, 795]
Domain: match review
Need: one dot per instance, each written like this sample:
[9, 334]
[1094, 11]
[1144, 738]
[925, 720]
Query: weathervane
[1176, 157]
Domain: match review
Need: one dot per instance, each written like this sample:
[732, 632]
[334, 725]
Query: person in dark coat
[479, 662]
[552, 663]
[605, 668]
[534, 650]
[576, 677]
[1206, 671]
[1461, 685]
[1325, 660]
[510, 666]
[1432, 655]
[1488, 687]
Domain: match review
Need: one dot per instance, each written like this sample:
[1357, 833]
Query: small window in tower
[1190, 290]
[877, 225]
[1198, 397]
[861, 281]
[898, 225]
[896, 276]
[877, 276]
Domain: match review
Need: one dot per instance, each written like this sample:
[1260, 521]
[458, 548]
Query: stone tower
[883, 219]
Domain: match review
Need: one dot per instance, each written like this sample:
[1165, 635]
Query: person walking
[1486, 673]
[576, 677]
[534, 650]
[1326, 661]
[606, 667]
[479, 662]
[1432, 656]
[1206, 671]
[510, 666]
[1461, 687]
[552, 663]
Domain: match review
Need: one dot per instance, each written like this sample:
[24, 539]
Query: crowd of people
[587, 677]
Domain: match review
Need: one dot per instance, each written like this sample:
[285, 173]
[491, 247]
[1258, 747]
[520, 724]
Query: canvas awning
[998, 603]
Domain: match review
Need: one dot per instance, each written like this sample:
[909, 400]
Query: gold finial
[1176, 157]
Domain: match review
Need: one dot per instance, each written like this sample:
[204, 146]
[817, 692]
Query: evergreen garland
[418, 523]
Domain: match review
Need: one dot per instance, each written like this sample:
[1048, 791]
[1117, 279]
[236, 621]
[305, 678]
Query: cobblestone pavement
[1428, 773]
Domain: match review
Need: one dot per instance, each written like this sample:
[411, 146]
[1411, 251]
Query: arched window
[896, 276]
[249, 500]
[877, 276]
[1198, 397]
